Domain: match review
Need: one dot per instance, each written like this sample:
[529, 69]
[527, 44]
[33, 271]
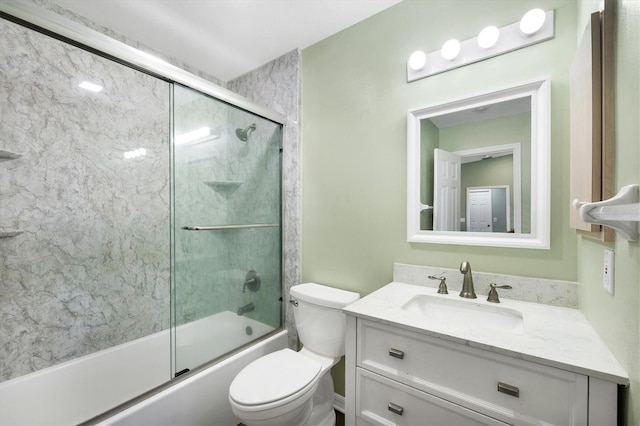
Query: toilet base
[329, 420]
[322, 413]
[317, 411]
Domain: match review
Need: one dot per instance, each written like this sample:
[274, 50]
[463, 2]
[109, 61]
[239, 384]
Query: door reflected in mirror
[478, 169]
[477, 147]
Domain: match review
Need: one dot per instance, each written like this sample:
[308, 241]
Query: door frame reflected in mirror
[506, 210]
[513, 149]
[539, 238]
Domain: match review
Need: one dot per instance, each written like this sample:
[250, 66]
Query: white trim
[508, 200]
[338, 403]
[515, 150]
[540, 93]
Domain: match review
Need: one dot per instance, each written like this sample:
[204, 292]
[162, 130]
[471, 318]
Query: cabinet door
[381, 401]
[495, 385]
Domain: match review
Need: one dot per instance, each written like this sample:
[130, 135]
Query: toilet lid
[273, 377]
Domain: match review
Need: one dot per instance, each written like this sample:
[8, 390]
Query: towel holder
[621, 212]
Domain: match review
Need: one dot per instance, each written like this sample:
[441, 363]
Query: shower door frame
[76, 34]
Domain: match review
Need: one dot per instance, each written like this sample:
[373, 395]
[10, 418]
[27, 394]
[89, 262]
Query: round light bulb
[488, 37]
[450, 49]
[532, 21]
[417, 60]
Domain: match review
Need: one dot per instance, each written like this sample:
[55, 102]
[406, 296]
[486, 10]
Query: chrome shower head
[243, 134]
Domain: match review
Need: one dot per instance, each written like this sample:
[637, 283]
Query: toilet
[295, 388]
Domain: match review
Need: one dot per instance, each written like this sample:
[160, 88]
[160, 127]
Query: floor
[339, 419]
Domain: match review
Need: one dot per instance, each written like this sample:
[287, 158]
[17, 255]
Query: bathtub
[77, 390]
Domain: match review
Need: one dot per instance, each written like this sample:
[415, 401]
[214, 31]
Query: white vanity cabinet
[399, 376]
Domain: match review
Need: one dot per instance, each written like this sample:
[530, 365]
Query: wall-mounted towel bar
[225, 227]
[620, 213]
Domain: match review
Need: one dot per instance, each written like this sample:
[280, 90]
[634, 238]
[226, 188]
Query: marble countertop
[553, 336]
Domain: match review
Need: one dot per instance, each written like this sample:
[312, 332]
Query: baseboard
[338, 402]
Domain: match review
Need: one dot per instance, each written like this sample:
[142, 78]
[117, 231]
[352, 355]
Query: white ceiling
[226, 38]
[487, 112]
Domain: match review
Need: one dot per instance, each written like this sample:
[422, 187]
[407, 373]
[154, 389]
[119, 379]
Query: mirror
[478, 169]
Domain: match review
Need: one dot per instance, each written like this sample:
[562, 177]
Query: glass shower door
[226, 228]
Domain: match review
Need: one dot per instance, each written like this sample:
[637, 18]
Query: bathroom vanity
[415, 357]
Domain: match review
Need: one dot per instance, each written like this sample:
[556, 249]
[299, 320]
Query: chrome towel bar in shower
[223, 227]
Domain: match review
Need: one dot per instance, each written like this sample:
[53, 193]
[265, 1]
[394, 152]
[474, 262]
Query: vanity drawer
[499, 386]
[382, 401]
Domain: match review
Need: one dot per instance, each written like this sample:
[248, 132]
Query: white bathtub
[78, 390]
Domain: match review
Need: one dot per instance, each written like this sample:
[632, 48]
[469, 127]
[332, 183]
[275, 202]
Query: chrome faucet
[493, 293]
[467, 282]
[246, 308]
[442, 288]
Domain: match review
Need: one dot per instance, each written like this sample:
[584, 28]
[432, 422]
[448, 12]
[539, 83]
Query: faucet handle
[442, 288]
[493, 293]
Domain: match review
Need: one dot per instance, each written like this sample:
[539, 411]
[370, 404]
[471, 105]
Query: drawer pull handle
[395, 408]
[508, 389]
[396, 353]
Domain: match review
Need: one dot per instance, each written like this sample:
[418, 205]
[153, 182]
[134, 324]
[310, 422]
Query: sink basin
[464, 313]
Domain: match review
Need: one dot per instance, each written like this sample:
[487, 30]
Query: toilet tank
[321, 324]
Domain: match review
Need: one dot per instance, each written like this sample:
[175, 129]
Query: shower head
[243, 134]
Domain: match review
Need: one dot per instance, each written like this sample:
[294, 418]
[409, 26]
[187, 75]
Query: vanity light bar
[511, 37]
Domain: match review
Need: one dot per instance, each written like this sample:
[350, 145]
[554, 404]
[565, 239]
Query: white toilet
[296, 388]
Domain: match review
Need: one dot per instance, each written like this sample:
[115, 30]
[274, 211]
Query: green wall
[490, 172]
[354, 165]
[355, 103]
[498, 131]
[429, 140]
[617, 317]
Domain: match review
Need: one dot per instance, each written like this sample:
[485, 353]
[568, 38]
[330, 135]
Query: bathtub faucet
[246, 308]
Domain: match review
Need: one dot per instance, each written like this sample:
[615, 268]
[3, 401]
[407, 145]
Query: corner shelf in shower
[8, 155]
[10, 233]
[224, 186]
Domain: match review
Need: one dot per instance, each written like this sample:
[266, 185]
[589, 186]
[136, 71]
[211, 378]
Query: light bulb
[488, 37]
[532, 21]
[450, 49]
[417, 60]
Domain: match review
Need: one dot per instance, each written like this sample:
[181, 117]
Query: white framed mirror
[478, 169]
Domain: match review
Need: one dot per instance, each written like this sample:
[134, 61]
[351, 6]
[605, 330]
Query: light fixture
[193, 136]
[450, 49]
[535, 27]
[532, 21]
[417, 60]
[488, 37]
[92, 87]
[140, 152]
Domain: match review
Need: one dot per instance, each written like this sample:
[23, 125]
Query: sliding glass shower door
[226, 228]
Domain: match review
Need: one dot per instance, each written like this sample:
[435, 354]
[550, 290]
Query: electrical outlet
[608, 276]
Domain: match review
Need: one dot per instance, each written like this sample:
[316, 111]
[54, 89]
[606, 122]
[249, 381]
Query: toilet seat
[274, 380]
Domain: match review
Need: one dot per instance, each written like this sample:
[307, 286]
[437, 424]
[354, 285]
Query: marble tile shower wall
[91, 268]
[257, 200]
[196, 204]
[225, 181]
[277, 85]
